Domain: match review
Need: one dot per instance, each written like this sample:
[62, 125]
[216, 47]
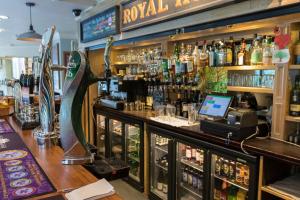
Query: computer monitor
[215, 106]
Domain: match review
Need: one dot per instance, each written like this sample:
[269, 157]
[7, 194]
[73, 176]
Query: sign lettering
[139, 13]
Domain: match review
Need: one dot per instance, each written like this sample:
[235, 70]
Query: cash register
[216, 119]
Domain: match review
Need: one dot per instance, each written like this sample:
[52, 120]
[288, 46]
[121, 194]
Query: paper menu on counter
[97, 190]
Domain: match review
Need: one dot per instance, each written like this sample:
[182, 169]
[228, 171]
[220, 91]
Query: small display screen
[215, 106]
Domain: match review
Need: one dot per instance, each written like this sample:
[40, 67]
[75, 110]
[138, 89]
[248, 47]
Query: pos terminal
[237, 125]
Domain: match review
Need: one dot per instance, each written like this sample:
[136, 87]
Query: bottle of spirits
[221, 54]
[295, 98]
[204, 55]
[165, 70]
[190, 64]
[230, 52]
[256, 55]
[267, 51]
[178, 105]
[241, 57]
[212, 55]
[196, 56]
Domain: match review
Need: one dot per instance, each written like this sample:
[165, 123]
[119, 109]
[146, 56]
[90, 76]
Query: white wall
[5, 73]
[19, 51]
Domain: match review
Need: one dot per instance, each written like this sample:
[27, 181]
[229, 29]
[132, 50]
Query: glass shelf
[231, 182]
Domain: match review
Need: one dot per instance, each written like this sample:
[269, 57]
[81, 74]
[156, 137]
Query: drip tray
[110, 169]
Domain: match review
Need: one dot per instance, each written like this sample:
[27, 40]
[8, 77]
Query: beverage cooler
[116, 139]
[183, 168]
[122, 139]
[100, 135]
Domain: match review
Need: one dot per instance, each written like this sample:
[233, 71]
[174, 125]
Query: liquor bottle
[184, 109]
[178, 73]
[190, 64]
[160, 180]
[295, 98]
[230, 52]
[241, 57]
[196, 56]
[165, 70]
[182, 54]
[217, 190]
[224, 187]
[188, 153]
[225, 168]
[212, 55]
[178, 105]
[267, 51]
[256, 55]
[232, 166]
[221, 54]
[204, 55]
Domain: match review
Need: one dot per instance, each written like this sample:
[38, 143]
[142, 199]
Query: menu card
[97, 190]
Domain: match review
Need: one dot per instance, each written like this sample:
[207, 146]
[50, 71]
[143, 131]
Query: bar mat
[5, 127]
[57, 197]
[20, 175]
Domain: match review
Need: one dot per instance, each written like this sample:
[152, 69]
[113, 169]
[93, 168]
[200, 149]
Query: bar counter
[270, 148]
[63, 177]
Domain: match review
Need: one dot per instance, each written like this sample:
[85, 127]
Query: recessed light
[2, 29]
[3, 17]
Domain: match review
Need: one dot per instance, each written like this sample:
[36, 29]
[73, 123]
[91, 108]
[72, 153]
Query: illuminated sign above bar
[100, 26]
[139, 13]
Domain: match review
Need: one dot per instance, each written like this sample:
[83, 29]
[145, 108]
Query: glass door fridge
[100, 135]
[233, 176]
[116, 139]
[190, 171]
[135, 154]
[160, 150]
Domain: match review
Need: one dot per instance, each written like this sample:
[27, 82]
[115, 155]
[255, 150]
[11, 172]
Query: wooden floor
[63, 177]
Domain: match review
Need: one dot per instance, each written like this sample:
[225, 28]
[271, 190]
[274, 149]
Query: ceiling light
[3, 17]
[2, 29]
[31, 35]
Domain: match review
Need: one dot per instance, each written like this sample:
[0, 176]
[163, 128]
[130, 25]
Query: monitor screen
[215, 105]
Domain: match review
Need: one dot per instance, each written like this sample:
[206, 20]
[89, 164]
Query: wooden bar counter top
[63, 177]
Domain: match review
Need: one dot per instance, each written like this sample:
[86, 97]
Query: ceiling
[45, 14]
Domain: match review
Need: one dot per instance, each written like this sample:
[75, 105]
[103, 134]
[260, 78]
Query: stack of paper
[97, 190]
[173, 121]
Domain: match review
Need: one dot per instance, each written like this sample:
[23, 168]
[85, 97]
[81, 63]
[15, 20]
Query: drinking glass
[192, 114]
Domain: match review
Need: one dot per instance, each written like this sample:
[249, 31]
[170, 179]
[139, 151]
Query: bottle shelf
[125, 63]
[160, 194]
[136, 178]
[134, 158]
[276, 193]
[231, 182]
[116, 133]
[191, 190]
[294, 67]
[250, 67]
[250, 89]
[163, 148]
[292, 118]
[192, 164]
[158, 165]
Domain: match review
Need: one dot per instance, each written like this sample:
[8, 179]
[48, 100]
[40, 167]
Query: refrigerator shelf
[231, 182]
[191, 164]
[134, 177]
[166, 169]
[163, 148]
[116, 133]
[133, 158]
[191, 190]
[160, 194]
